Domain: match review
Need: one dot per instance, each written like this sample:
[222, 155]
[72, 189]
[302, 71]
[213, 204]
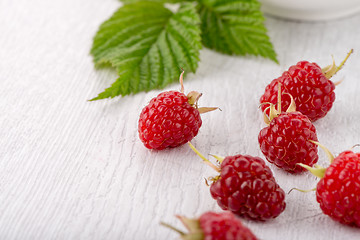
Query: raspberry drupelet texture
[224, 226]
[247, 187]
[338, 192]
[168, 121]
[285, 142]
[214, 226]
[312, 91]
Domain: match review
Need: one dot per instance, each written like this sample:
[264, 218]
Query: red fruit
[285, 141]
[224, 226]
[310, 87]
[338, 190]
[170, 119]
[215, 226]
[246, 187]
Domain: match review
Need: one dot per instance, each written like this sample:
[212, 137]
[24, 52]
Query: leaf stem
[327, 151]
[181, 79]
[343, 62]
[172, 228]
[204, 158]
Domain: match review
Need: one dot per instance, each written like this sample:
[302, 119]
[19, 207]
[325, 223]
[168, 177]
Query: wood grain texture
[72, 169]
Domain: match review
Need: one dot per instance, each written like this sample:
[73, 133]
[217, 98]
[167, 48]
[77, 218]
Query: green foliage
[160, 1]
[148, 45]
[235, 27]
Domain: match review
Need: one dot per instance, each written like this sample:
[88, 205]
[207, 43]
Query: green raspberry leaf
[148, 45]
[235, 27]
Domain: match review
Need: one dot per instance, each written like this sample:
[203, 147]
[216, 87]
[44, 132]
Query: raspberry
[310, 86]
[170, 119]
[224, 226]
[338, 190]
[215, 226]
[246, 187]
[285, 142]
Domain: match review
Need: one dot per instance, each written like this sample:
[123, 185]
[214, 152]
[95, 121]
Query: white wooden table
[72, 169]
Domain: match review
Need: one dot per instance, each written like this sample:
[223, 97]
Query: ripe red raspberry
[338, 190]
[170, 119]
[285, 142]
[310, 87]
[224, 226]
[246, 187]
[215, 226]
